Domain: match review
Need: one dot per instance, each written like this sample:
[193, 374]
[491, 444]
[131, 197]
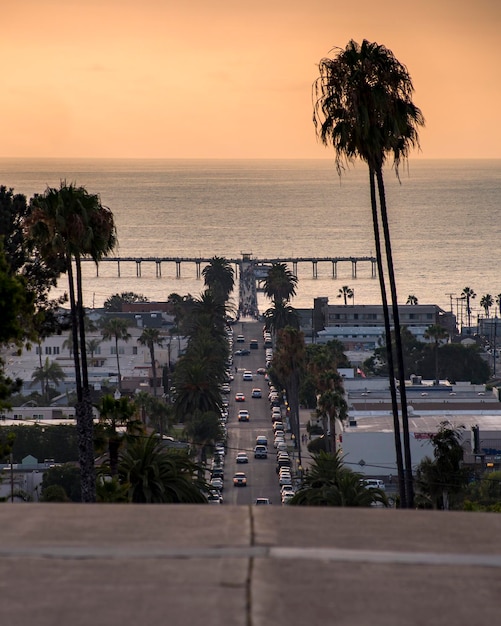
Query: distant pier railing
[200, 262]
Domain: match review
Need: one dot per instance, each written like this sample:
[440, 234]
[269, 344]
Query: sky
[221, 79]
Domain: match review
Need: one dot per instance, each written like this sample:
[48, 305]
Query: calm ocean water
[444, 219]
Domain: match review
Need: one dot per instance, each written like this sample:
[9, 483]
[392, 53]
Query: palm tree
[67, 224]
[219, 277]
[288, 366]
[50, 372]
[154, 474]
[91, 345]
[411, 299]
[279, 316]
[202, 430]
[468, 294]
[280, 283]
[363, 108]
[116, 328]
[486, 302]
[346, 293]
[332, 404]
[498, 302]
[151, 337]
[115, 414]
[436, 333]
[330, 483]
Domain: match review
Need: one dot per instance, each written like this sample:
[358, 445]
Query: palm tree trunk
[83, 418]
[118, 365]
[389, 351]
[398, 341]
[154, 369]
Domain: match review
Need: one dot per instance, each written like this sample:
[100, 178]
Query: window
[97, 350]
[38, 350]
[121, 350]
[113, 350]
[48, 350]
[134, 349]
[355, 316]
[56, 349]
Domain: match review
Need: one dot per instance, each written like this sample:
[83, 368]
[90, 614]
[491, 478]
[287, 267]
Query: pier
[200, 262]
[249, 271]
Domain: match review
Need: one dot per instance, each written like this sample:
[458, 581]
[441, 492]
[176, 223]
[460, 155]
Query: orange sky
[214, 78]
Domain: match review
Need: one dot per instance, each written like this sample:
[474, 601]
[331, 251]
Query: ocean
[444, 220]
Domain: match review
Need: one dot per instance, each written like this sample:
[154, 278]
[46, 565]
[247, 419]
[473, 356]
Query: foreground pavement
[249, 566]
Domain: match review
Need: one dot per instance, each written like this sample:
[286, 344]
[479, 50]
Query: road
[262, 479]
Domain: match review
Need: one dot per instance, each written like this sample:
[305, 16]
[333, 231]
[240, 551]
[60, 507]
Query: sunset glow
[198, 79]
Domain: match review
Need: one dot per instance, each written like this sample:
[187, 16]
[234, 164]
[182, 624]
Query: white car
[374, 483]
[242, 458]
[247, 375]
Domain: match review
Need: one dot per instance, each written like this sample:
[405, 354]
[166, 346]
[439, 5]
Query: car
[287, 497]
[242, 457]
[217, 472]
[225, 388]
[239, 397]
[285, 479]
[243, 416]
[278, 426]
[374, 483]
[240, 480]
[215, 497]
[217, 483]
[240, 339]
[261, 371]
[287, 489]
[281, 446]
[260, 452]
[261, 440]
[242, 352]
[253, 345]
[256, 393]
[260, 501]
[247, 375]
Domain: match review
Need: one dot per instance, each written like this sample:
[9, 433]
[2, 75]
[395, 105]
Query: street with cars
[258, 460]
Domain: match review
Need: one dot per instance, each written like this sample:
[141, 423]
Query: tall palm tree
[50, 372]
[116, 328]
[287, 366]
[363, 108]
[486, 302]
[411, 299]
[219, 277]
[280, 283]
[468, 294]
[279, 316]
[346, 293]
[436, 333]
[68, 224]
[151, 337]
[332, 404]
